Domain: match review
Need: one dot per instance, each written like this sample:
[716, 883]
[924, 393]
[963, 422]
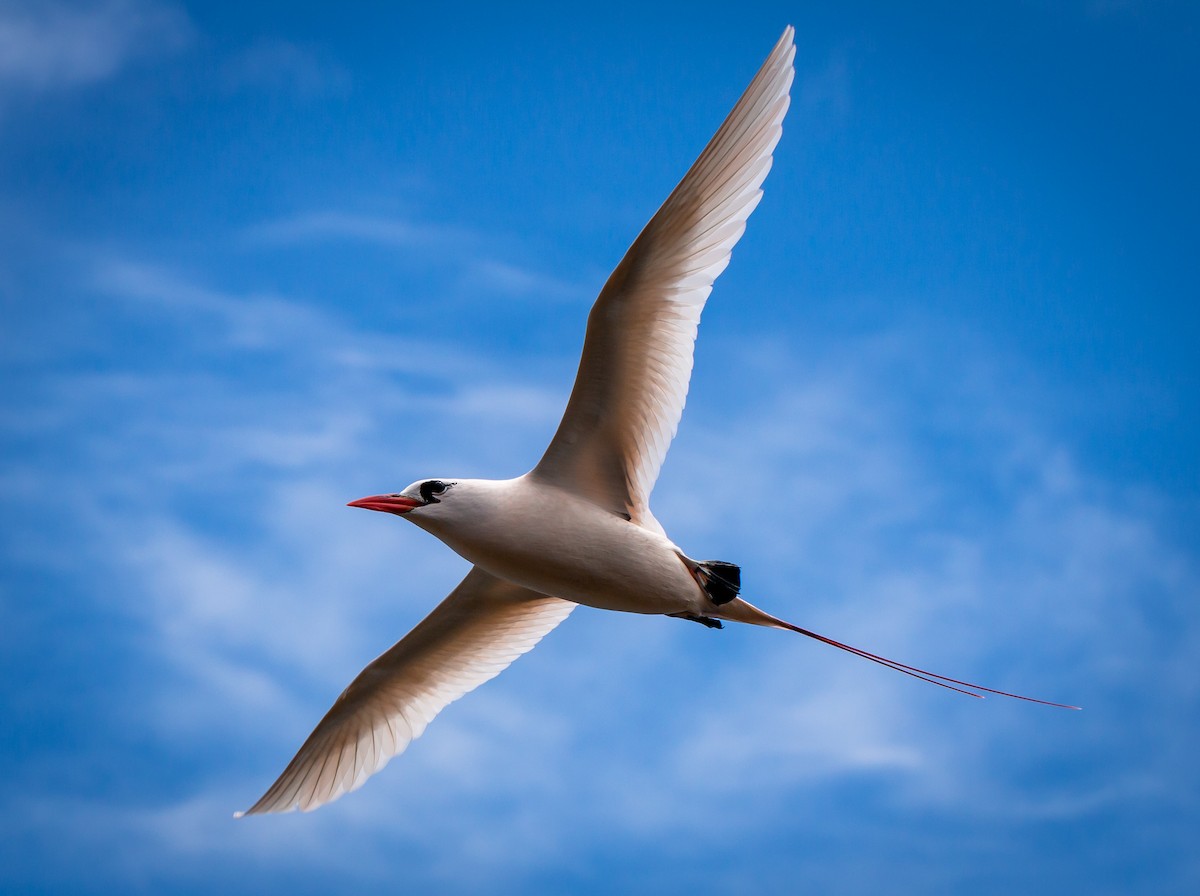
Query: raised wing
[637, 356]
[470, 637]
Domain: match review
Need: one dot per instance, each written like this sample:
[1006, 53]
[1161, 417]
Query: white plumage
[471, 636]
[637, 358]
[623, 412]
[576, 529]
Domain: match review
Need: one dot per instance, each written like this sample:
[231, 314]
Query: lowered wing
[470, 637]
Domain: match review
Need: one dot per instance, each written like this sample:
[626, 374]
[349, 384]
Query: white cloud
[509, 279]
[50, 44]
[1012, 566]
[287, 453]
[275, 64]
[391, 232]
[823, 97]
[1038, 585]
[471, 254]
[270, 323]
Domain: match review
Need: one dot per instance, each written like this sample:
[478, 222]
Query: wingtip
[784, 52]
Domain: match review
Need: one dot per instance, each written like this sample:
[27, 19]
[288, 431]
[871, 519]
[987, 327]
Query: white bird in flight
[577, 528]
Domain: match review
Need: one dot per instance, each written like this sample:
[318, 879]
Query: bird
[577, 528]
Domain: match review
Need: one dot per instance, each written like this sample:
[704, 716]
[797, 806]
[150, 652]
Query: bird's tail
[739, 610]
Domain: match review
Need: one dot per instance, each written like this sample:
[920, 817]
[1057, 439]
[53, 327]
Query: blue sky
[257, 260]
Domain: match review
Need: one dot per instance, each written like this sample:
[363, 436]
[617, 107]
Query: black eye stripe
[431, 488]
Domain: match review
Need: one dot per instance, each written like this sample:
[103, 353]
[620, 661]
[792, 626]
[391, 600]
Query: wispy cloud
[275, 64]
[248, 321]
[391, 232]
[474, 255]
[213, 517]
[54, 45]
[509, 279]
[823, 96]
[206, 353]
[297, 330]
[846, 524]
[864, 533]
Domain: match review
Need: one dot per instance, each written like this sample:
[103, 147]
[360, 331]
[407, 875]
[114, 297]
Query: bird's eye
[431, 488]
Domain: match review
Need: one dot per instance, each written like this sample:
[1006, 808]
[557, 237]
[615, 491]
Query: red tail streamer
[943, 681]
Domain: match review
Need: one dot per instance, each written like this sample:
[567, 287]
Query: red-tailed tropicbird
[577, 528]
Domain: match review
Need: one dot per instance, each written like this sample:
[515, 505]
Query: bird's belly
[610, 581]
[585, 555]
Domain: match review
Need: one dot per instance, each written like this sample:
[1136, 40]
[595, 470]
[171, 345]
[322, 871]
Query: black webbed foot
[706, 621]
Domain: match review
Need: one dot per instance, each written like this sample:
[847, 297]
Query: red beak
[387, 503]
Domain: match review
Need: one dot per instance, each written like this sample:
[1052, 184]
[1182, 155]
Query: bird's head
[421, 494]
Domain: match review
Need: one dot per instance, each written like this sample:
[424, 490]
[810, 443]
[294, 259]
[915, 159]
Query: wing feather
[633, 377]
[469, 638]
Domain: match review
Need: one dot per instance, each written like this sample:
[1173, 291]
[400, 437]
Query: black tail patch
[721, 581]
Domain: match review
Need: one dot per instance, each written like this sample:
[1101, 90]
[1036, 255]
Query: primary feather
[470, 637]
[633, 377]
